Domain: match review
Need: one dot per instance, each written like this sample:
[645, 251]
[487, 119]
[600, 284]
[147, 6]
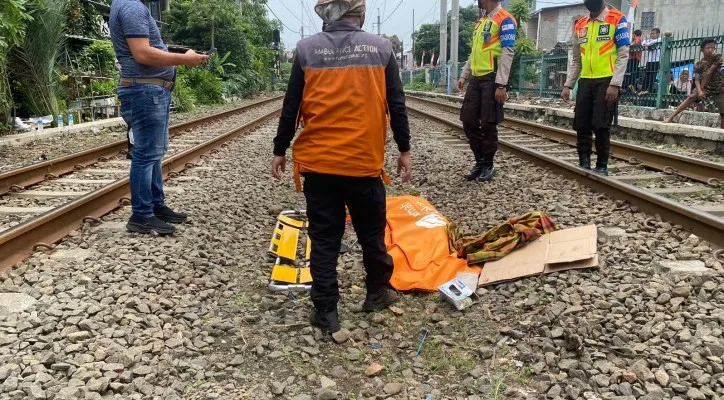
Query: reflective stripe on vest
[487, 46]
[598, 45]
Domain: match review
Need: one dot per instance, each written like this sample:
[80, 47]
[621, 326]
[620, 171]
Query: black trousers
[481, 114]
[593, 114]
[326, 197]
[652, 68]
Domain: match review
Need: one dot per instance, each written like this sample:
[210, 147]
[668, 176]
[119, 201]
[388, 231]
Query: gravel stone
[393, 388]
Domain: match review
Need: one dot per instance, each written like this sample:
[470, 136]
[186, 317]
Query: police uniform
[600, 56]
[488, 68]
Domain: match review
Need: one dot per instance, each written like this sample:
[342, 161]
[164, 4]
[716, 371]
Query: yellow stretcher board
[288, 274]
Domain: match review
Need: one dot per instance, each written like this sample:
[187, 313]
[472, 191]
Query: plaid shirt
[503, 239]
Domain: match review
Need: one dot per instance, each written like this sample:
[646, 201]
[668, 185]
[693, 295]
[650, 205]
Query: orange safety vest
[598, 45]
[416, 237]
[344, 105]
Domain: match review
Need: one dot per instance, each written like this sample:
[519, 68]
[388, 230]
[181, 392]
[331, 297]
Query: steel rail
[700, 223]
[19, 242]
[36, 173]
[704, 171]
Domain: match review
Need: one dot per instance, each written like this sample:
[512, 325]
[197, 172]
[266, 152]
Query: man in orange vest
[344, 82]
[600, 55]
[488, 69]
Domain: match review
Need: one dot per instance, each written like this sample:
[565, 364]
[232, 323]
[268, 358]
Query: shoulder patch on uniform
[604, 29]
[583, 32]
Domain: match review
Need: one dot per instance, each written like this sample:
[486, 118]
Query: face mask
[593, 5]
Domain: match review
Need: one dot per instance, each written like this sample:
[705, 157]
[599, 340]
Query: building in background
[679, 15]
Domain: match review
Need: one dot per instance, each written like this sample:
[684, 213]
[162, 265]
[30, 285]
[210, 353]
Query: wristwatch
[501, 86]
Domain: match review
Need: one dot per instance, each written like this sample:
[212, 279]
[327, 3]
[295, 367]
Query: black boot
[601, 164]
[475, 172]
[488, 168]
[379, 300]
[584, 160]
[326, 321]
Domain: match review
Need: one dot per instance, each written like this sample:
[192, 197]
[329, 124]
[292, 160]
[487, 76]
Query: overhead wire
[280, 20]
[310, 15]
[393, 11]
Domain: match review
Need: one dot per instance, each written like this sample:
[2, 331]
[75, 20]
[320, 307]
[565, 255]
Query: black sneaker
[379, 300]
[326, 321]
[147, 225]
[167, 215]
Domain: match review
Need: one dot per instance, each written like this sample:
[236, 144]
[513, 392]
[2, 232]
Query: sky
[396, 20]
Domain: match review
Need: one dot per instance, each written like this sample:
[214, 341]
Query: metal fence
[647, 82]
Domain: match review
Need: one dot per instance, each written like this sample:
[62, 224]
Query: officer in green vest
[600, 55]
[488, 70]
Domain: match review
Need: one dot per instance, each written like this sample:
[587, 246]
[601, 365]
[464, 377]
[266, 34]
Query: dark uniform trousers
[326, 197]
[481, 114]
[593, 114]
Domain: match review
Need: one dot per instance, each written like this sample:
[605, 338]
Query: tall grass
[34, 61]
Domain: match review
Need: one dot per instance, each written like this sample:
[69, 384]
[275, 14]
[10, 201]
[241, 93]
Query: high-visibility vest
[598, 45]
[487, 45]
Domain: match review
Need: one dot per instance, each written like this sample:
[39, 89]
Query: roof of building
[540, 10]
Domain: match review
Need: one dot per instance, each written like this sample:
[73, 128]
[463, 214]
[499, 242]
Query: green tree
[239, 28]
[427, 37]
[524, 47]
[396, 43]
[13, 26]
[35, 59]
[81, 18]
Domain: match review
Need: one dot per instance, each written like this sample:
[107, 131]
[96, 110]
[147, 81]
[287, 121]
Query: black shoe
[601, 171]
[167, 215]
[584, 160]
[379, 300]
[326, 321]
[475, 172]
[147, 225]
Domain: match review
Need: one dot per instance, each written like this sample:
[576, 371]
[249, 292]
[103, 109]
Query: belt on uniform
[154, 81]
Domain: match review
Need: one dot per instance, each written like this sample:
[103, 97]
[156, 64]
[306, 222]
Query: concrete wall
[564, 30]
[548, 21]
[673, 15]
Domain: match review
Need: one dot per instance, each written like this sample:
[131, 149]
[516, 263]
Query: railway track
[682, 190]
[18, 179]
[41, 203]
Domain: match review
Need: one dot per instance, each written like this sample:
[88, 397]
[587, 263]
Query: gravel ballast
[189, 316]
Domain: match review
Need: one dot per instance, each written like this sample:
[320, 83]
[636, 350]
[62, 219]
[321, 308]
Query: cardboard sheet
[574, 248]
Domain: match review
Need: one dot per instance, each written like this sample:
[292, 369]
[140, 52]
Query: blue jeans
[145, 108]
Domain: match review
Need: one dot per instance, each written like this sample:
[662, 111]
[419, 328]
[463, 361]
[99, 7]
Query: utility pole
[413, 38]
[378, 22]
[454, 31]
[301, 8]
[443, 39]
[402, 54]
